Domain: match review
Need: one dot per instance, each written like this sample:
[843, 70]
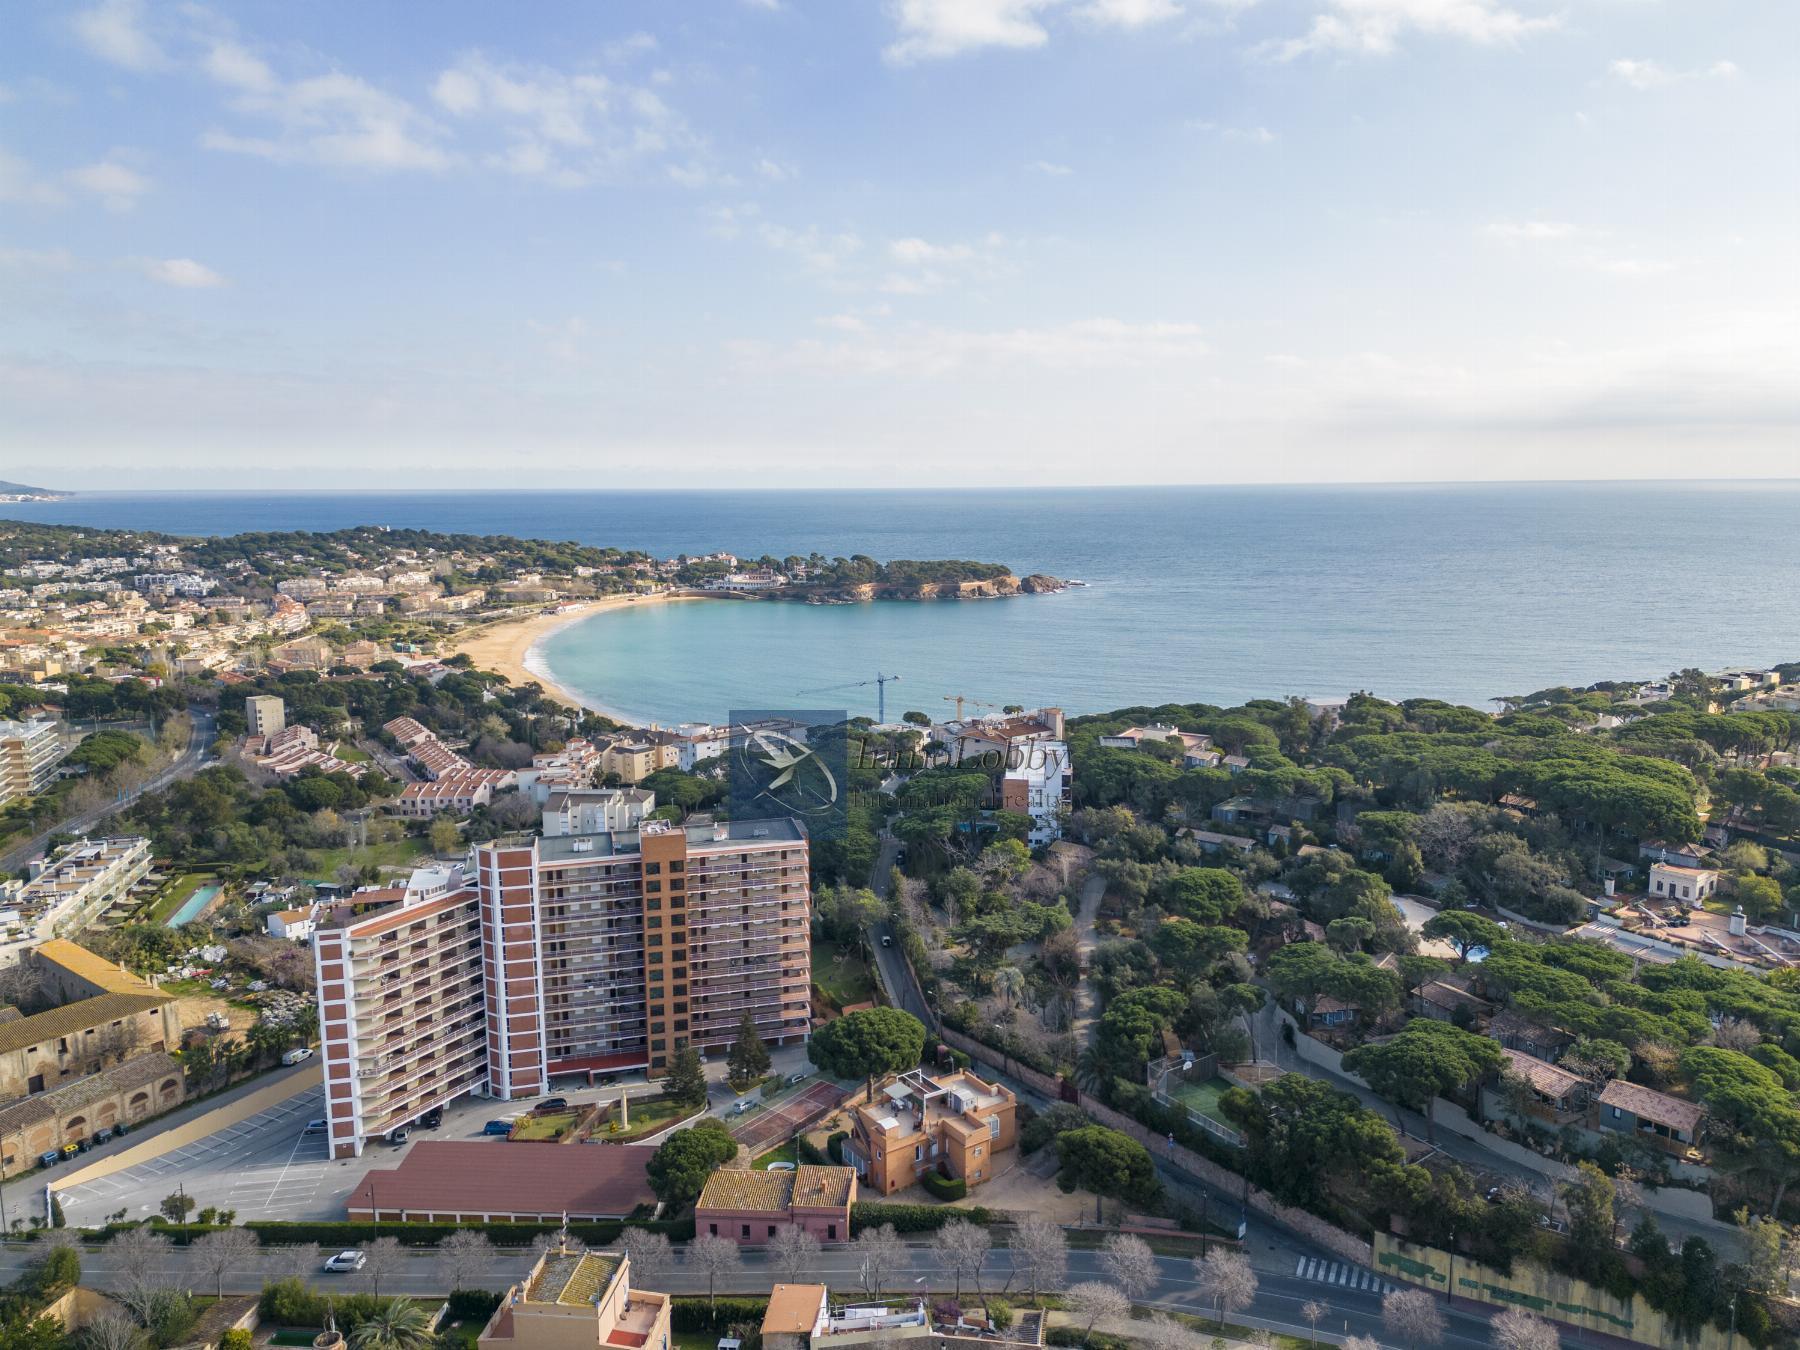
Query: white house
[1690, 885]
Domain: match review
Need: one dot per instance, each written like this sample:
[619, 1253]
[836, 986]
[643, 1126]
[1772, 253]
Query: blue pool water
[191, 908]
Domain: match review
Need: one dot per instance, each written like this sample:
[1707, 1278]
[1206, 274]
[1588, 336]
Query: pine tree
[749, 1057]
[685, 1081]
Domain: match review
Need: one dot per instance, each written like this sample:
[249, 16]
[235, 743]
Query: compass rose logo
[776, 772]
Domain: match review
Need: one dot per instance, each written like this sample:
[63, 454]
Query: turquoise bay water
[1216, 594]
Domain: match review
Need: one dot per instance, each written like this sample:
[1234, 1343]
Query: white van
[298, 1055]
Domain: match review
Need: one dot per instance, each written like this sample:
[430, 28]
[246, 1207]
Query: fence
[1181, 1159]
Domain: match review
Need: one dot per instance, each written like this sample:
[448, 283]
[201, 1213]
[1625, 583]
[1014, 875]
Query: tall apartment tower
[585, 953]
[29, 752]
[266, 714]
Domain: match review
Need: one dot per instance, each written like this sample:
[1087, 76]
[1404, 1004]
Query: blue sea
[1215, 594]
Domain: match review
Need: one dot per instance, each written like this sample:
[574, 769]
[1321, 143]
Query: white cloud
[1572, 245]
[570, 129]
[234, 65]
[1531, 231]
[117, 186]
[114, 31]
[1374, 27]
[1647, 75]
[1250, 135]
[183, 272]
[775, 171]
[932, 29]
[36, 260]
[1130, 13]
[823, 251]
[334, 119]
[931, 352]
[563, 340]
[1049, 168]
[21, 185]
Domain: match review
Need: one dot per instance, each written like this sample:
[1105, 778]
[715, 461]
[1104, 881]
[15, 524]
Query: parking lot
[264, 1166]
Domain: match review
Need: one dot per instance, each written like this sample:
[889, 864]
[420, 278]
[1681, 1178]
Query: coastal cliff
[987, 589]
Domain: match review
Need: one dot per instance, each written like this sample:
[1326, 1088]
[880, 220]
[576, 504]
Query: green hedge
[694, 1314]
[289, 1303]
[915, 1218]
[1099, 1340]
[343, 1234]
[945, 1188]
[472, 1305]
[834, 1145]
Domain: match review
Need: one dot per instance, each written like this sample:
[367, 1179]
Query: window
[713, 1228]
[993, 1127]
[652, 869]
[771, 1230]
[744, 1231]
[831, 1232]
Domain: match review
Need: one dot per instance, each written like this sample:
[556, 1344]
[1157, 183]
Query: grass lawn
[647, 1117]
[843, 975]
[538, 1129]
[174, 894]
[350, 754]
[396, 853]
[785, 1153]
[1201, 1097]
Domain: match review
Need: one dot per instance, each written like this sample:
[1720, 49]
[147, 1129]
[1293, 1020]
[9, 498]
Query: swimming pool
[192, 906]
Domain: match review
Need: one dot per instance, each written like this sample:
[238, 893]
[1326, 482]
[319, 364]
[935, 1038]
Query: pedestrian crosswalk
[1344, 1276]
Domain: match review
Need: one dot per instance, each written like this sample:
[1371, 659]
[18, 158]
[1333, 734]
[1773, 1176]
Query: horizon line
[495, 490]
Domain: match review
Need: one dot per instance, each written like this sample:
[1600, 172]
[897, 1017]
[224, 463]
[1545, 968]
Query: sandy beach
[508, 645]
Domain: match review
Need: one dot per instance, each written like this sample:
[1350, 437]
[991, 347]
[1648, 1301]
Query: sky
[791, 243]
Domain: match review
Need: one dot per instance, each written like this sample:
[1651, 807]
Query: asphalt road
[192, 760]
[1278, 1300]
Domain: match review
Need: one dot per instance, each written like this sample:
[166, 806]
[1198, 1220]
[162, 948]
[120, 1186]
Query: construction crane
[960, 699]
[880, 682]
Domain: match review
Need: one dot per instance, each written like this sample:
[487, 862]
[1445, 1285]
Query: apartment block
[29, 752]
[266, 714]
[402, 1011]
[569, 954]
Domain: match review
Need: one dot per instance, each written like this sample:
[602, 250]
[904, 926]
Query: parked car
[314, 1127]
[552, 1104]
[795, 1079]
[606, 1080]
[432, 1118]
[298, 1055]
[345, 1263]
[741, 1105]
[399, 1134]
[887, 939]
[497, 1127]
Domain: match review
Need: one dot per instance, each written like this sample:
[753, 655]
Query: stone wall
[1204, 1170]
[1560, 1298]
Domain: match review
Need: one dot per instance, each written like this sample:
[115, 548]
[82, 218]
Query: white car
[346, 1262]
[297, 1055]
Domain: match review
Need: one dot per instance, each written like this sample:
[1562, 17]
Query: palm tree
[1009, 983]
[397, 1325]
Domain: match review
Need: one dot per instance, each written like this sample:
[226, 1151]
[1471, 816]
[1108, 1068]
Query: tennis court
[787, 1117]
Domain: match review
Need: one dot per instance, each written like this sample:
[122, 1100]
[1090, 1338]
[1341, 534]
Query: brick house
[752, 1206]
[954, 1123]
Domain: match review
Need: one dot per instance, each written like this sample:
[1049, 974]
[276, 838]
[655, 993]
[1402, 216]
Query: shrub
[237, 1338]
[61, 1270]
[1099, 1340]
[467, 1305]
[914, 1218]
[834, 1145]
[693, 1314]
[1000, 1313]
[1047, 1124]
[945, 1188]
